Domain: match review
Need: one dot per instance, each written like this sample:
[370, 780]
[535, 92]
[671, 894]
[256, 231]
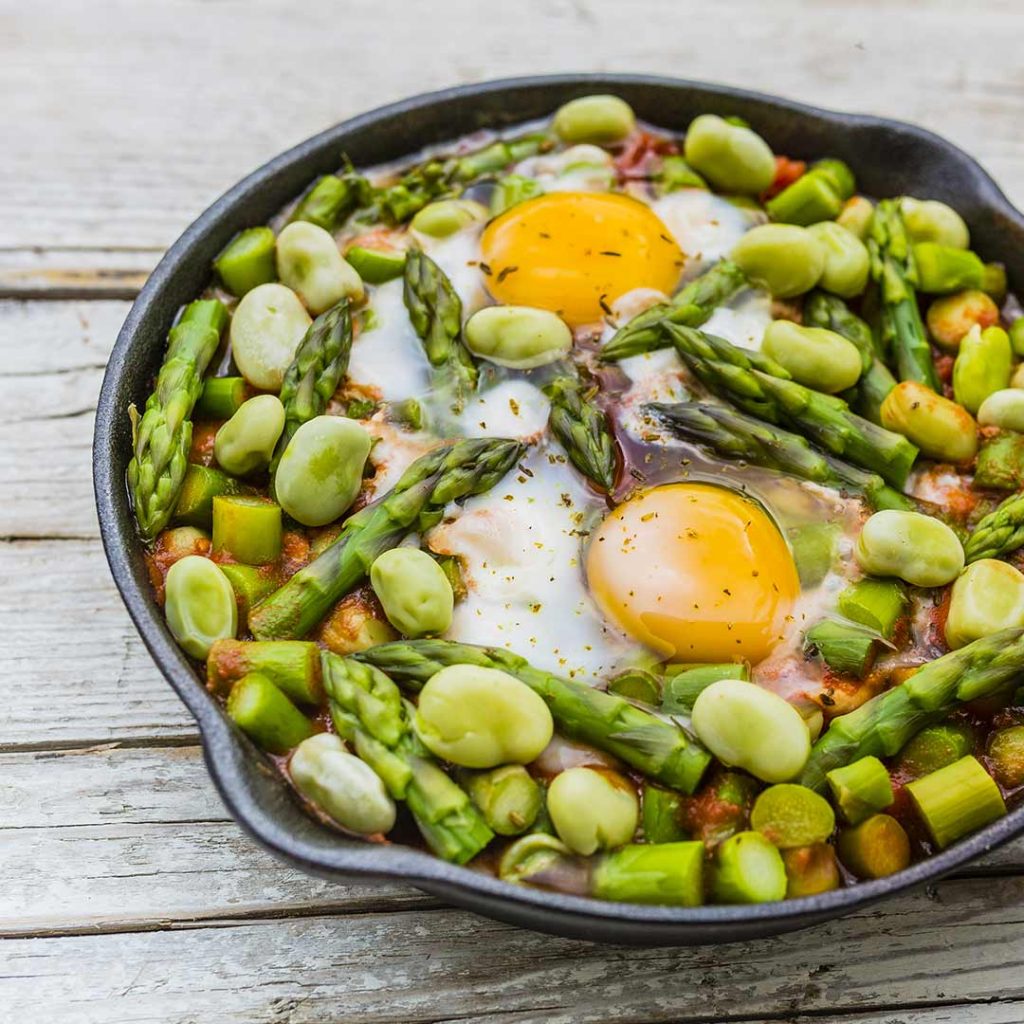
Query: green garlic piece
[988, 596]
[941, 428]
[448, 216]
[856, 216]
[339, 784]
[914, 547]
[246, 442]
[982, 366]
[267, 326]
[928, 220]
[519, 337]
[310, 263]
[748, 727]
[481, 717]
[952, 317]
[1004, 409]
[846, 259]
[601, 119]
[815, 356]
[200, 605]
[593, 809]
[732, 158]
[321, 470]
[786, 259]
[414, 591]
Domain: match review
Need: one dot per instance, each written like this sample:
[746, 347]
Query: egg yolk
[574, 253]
[696, 572]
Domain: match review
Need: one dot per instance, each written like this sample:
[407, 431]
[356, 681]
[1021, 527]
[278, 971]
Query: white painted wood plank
[74, 273]
[965, 943]
[77, 667]
[124, 120]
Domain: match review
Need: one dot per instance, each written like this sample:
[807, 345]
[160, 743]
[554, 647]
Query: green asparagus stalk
[877, 604]
[691, 307]
[447, 473]
[753, 382]
[163, 435]
[293, 666]
[733, 435]
[671, 874]
[861, 789]
[221, 398]
[662, 809]
[1000, 462]
[583, 428]
[207, 313]
[934, 747]
[845, 648]
[436, 315]
[957, 799]
[369, 713]
[998, 533]
[314, 374]
[882, 725]
[895, 273]
[331, 200]
[201, 484]
[655, 747]
[266, 715]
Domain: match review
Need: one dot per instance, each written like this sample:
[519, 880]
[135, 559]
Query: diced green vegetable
[877, 604]
[861, 789]
[266, 715]
[956, 800]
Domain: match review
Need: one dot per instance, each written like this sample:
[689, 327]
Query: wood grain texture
[158, 115]
[128, 895]
[448, 965]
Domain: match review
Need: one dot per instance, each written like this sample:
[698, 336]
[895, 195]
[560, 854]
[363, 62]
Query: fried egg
[696, 572]
[574, 253]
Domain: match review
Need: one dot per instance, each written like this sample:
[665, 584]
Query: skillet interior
[888, 158]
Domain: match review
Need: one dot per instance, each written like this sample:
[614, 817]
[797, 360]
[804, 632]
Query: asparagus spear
[957, 799]
[368, 711]
[895, 273]
[319, 364]
[663, 873]
[449, 472]
[998, 533]
[436, 315]
[753, 382]
[658, 748]
[882, 725]
[691, 307]
[582, 427]
[731, 434]
[163, 435]
[331, 200]
[831, 313]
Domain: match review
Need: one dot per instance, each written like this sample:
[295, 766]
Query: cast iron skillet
[889, 158]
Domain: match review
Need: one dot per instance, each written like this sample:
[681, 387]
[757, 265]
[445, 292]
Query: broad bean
[846, 259]
[951, 317]
[246, 442]
[942, 429]
[413, 590]
[1004, 409]
[788, 260]
[914, 547]
[266, 329]
[819, 358]
[593, 809]
[982, 366]
[310, 263]
[599, 119]
[447, 216]
[200, 605]
[928, 220]
[519, 337]
[748, 727]
[339, 784]
[733, 158]
[988, 596]
[321, 470]
[482, 717]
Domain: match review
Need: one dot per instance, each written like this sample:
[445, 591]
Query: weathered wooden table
[126, 892]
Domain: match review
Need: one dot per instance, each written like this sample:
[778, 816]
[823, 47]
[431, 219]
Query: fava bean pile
[624, 512]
